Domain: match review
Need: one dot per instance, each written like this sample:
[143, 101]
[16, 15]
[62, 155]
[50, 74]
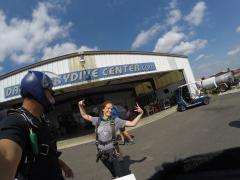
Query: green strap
[96, 128]
[113, 131]
[34, 142]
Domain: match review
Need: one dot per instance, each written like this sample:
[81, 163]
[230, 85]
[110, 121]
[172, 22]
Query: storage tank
[225, 78]
[236, 73]
[209, 83]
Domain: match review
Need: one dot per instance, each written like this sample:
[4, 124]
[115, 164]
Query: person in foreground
[27, 148]
[106, 127]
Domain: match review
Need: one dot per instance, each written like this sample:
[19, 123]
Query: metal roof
[59, 58]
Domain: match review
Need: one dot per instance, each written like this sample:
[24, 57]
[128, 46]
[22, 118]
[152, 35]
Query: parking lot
[199, 130]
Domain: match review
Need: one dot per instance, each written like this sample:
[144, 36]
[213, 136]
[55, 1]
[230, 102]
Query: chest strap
[105, 142]
[113, 140]
[37, 148]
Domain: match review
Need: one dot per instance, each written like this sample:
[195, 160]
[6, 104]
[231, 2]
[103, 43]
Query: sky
[208, 32]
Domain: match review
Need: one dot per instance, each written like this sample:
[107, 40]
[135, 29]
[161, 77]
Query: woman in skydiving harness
[106, 127]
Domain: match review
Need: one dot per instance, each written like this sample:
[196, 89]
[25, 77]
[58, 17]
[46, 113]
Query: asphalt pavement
[198, 130]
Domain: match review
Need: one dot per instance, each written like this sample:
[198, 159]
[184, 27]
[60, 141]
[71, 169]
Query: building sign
[90, 74]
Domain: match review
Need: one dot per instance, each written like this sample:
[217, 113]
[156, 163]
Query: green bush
[214, 92]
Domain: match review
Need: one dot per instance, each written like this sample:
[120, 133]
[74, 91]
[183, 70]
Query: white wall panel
[161, 62]
[1, 91]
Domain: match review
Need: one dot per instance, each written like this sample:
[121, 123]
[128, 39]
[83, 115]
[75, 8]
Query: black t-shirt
[15, 128]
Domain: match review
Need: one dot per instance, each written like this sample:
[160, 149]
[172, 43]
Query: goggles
[47, 80]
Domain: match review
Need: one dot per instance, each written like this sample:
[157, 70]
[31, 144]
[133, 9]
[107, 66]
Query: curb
[230, 91]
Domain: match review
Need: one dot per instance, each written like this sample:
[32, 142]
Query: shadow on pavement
[127, 162]
[235, 124]
[219, 108]
[219, 165]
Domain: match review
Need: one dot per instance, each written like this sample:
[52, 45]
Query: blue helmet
[34, 84]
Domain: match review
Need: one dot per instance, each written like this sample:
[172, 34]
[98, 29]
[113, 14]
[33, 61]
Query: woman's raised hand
[138, 109]
[81, 103]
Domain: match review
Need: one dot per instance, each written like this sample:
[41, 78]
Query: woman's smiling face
[107, 110]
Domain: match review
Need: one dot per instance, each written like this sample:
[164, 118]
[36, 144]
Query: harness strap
[96, 133]
[29, 157]
[105, 142]
[112, 123]
[113, 132]
[113, 140]
[100, 153]
[44, 149]
[20, 111]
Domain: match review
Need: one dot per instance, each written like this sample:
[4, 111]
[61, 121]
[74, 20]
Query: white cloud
[21, 58]
[1, 68]
[65, 48]
[190, 47]
[169, 40]
[85, 48]
[22, 39]
[234, 51]
[196, 15]
[238, 29]
[208, 69]
[175, 40]
[173, 4]
[174, 16]
[144, 36]
[60, 4]
[201, 56]
[58, 50]
[174, 13]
